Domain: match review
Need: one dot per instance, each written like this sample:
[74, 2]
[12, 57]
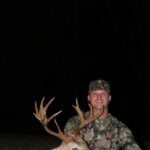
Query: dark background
[55, 48]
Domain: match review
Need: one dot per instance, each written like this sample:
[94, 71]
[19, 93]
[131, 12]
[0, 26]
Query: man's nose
[99, 96]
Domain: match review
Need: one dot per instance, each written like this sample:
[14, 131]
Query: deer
[70, 141]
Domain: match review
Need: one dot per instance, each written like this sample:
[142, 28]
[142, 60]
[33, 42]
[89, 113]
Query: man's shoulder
[115, 121]
[121, 127]
[74, 119]
[72, 123]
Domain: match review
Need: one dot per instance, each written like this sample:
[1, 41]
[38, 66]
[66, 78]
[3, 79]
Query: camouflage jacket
[108, 134]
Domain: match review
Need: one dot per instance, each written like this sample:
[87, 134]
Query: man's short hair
[99, 85]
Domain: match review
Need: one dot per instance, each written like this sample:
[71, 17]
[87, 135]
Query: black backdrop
[54, 48]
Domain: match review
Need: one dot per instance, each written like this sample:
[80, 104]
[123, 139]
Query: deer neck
[79, 144]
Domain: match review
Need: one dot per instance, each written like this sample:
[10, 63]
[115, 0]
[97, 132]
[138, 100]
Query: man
[106, 132]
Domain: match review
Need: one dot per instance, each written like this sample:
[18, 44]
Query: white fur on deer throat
[72, 146]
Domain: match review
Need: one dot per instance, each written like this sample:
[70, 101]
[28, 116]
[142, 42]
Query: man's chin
[100, 108]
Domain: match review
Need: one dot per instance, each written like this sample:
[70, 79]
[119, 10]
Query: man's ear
[109, 98]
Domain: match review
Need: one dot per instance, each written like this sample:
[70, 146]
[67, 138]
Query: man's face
[99, 98]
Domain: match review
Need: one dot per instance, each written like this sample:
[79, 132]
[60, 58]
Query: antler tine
[60, 134]
[83, 121]
[53, 116]
[47, 105]
[91, 110]
[36, 114]
[78, 110]
[41, 113]
[93, 117]
[44, 108]
[42, 101]
[36, 109]
[59, 130]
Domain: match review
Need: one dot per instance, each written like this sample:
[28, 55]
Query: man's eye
[94, 94]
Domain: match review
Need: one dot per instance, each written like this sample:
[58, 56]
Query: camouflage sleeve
[71, 124]
[127, 140]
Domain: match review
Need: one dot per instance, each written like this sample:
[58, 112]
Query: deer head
[70, 141]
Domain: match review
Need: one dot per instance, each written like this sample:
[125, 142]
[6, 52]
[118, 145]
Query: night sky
[55, 48]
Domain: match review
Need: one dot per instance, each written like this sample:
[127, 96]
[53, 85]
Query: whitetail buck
[71, 141]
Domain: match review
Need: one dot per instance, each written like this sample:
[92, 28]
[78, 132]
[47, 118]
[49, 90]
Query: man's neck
[104, 114]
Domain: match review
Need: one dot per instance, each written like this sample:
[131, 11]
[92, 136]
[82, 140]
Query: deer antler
[84, 121]
[42, 117]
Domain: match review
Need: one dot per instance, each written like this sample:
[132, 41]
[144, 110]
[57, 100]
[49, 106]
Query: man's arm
[127, 140]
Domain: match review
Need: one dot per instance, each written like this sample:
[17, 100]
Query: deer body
[70, 141]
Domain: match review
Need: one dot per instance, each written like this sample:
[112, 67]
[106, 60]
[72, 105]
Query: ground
[33, 142]
[27, 142]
